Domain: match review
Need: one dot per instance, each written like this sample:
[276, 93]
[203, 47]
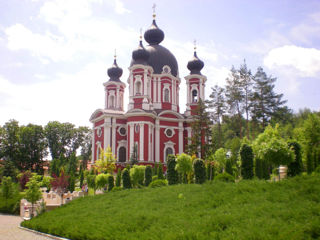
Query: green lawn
[289, 209]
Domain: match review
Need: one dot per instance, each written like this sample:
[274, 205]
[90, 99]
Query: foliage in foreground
[246, 210]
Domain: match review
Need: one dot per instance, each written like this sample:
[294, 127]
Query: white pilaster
[157, 141]
[189, 134]
[150, 142]
[113, 136]
[154, 90]
[92, 147]
[131, 126]
[159, 90]
[180, 137]
[141, 142]
[117, 98]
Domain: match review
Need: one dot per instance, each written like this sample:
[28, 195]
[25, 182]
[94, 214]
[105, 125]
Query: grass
[289, 209]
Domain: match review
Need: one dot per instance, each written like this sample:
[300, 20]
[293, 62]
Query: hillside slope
[246, 210]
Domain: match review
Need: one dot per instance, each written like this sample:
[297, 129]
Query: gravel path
[9, 230]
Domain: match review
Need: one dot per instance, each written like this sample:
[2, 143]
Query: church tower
[195, 83]
[114, 88]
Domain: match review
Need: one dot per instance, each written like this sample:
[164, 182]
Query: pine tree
[172, 174]
[134, 156]
[246, 85]
[246, 155]
[218, 106]
[199, 171]
[201, 131]
[265, 102]
[126, 180]
[235, 96]
[118, 179]
[148, 175]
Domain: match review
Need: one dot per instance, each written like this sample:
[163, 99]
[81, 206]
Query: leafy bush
[172, 173]
[148, 175]
[110, 182]
[118, 179]
[184, 165]
[23, 178]
[126, 181]
[137, 175]
[225, 177]
[102, 180]
[229, 168]
[158, 183]
[160, 172]
[199, 171]
[9, 196]
[295, 167]
[91, 180]
[246, 155]
[154, 178]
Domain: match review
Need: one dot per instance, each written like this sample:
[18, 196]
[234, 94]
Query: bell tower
[114, 88]
[195, 83]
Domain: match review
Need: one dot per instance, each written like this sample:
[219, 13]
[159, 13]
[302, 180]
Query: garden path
[9, 229]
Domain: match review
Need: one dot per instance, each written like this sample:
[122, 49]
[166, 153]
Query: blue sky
[55, 53]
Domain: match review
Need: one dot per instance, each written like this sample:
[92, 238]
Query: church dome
[115, 72]
[159, 56]
[140, 55]
[154, 35]
[195, 65]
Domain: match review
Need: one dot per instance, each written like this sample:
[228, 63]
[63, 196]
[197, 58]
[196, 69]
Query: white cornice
[195, 76]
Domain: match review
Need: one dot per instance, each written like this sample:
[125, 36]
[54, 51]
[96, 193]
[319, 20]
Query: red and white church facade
[152, 122]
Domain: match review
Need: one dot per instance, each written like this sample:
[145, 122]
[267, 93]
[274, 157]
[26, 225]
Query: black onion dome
[154, 35]
[115, 72]
[195, 65]
[140, 55]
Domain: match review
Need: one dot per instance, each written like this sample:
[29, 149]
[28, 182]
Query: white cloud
[66, 98]
[119, 7]
[306, 61]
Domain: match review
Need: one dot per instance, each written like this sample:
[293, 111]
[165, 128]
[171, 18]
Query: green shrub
[229, 168]
[225, 177]
[126, 181]
[110, 182]
[137, 175]
[91, 180]
[9, 196]
[117, 189]
[118, 179]
[210, 172]
[154, 178]
[102, 180]
[160, 172]
[295, 167]
[158, 183]
[246, 155]
[148, 175]
[172, 173]
[199, 171]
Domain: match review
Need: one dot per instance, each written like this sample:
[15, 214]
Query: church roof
[159, 56]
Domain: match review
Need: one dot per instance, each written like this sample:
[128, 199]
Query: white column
[131, 125]
[117, 98]
[180, 137]
[106, 136]
[154, 100]
[149, 142]
[159, 90]
[188, 92]
[157, 141]
[173, 90]
[93, 144]
[113, 136]
[189, 134]
[145, 81]
[131, 85]
[141, 142]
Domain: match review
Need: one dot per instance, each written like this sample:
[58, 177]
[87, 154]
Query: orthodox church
[152, 124]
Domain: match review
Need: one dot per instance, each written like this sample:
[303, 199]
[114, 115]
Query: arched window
[194, 96]
[169, 150]
[111, 102]
[138, 88]
[122, 154]
[166, 95]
